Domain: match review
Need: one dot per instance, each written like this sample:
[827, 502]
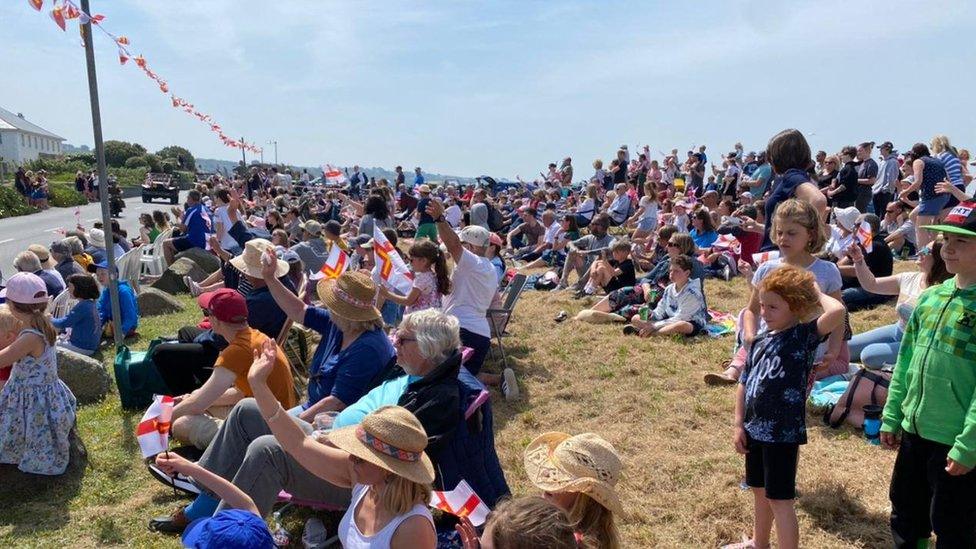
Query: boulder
[204, 259]
[87, 378]
[154, 302]
[172, 280]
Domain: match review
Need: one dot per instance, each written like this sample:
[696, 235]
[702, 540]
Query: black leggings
[186, 365]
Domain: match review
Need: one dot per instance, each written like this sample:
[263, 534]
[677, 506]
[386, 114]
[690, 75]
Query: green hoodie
[933, 389]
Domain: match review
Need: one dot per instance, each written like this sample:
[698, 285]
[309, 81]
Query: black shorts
[182, 243]
[772, 466]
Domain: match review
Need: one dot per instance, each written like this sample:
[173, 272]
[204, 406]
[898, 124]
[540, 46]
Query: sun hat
[225, 304]
[391, 438]
[585, 463]
[250, 262]
[231, 529]
[42, 254]
[96, 237]
[961, 220]
[475, 235]
[25, 288]
[312, 227]
[424, 189]
[847, 217]
[350, 296]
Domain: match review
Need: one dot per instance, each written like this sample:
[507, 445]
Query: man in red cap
[198, 415]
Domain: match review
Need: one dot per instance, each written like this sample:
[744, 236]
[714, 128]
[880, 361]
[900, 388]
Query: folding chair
[498, 319]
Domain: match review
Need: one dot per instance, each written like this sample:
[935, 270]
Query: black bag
[495, 219]
[873, 391]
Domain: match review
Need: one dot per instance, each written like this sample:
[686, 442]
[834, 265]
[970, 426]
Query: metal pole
[243, 156]
[113, 272]
[276, 153]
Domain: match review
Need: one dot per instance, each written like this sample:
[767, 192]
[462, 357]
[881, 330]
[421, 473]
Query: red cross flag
[461, 502]
[389, 265]
[333, 175]
[865, 236]
[763, 257]
[728, 242]
[334, 265]
[153, 431]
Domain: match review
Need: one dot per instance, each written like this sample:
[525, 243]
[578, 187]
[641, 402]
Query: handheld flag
[763, 257]
[728, 242]
[334, 265]
[462, 502]
[333, 175]
[153, 431]
[389, 265]
[865, 237]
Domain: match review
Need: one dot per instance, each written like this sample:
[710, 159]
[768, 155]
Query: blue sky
[503, 87]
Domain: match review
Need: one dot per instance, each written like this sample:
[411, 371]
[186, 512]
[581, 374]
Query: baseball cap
[231, 529]
[312, 226]
[887, 145]
[476, 236]
[960, 220]
[225, 304]
[25, 288]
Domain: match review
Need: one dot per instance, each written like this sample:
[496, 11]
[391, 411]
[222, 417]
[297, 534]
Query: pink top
[429, 298]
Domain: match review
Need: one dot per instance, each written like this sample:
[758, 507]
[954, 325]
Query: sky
[503, 87]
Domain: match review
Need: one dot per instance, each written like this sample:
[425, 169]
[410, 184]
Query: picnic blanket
[719, 323]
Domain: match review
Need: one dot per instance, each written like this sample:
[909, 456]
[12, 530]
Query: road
[16, 233]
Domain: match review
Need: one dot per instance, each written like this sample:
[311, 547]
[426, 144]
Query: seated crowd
[392, 402]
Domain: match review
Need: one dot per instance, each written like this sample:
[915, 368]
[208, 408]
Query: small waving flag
[462, 502]
[390, 266]
[57, 14]
[728, 242]
[334, 265]
[333, 175]
[865, 236]
[36, 4]
[153, 431]
[763, 257]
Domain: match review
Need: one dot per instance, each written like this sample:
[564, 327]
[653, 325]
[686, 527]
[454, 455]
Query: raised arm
[888, 285]
[290, 303]
[447, 235]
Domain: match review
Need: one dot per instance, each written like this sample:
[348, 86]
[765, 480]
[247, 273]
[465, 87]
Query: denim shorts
[934, 205]
[647, 224]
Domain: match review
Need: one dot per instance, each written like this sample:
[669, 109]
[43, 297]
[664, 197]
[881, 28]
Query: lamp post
[275, 143]
[113, 272]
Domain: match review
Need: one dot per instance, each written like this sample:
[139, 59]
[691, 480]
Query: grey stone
[172, 280]
[87, 378]
[153, 302]
[204, 259]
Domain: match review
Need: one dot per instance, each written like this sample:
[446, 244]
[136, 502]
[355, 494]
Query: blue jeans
[858, 298]
[876, 347]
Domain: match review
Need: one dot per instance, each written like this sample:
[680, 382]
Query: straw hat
[43, 254]
[350, 296]
[249, 262]
[585, 463]
[391, 438]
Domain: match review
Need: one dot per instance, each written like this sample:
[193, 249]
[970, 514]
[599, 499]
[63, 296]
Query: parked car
[160, 185]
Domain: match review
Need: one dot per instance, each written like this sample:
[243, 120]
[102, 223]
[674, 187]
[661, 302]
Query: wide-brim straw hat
[585, 463]
[249, 262]
[391, 438]
[352, 296]
[43, 254]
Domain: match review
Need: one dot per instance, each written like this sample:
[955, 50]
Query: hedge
[64, 195]
[12, 203]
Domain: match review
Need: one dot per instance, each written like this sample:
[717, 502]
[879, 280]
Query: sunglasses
[671, 245]
[925, 251]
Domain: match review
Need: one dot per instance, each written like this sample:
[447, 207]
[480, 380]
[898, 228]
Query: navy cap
[230, 529]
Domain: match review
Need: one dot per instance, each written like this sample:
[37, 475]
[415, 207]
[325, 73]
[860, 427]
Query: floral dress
[37, 411]
[429, 297]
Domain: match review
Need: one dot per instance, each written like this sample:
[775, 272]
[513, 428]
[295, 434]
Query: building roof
[10, 121]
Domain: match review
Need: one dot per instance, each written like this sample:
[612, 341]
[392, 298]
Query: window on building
[22, 140]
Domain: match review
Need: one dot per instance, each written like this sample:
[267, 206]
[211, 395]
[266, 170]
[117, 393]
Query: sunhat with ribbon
[585, 463]
[255, 251]
[391, 438]
[350, 296]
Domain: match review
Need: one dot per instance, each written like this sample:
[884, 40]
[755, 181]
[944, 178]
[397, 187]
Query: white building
[22, 141]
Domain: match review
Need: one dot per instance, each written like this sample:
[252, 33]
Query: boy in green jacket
[930, 415]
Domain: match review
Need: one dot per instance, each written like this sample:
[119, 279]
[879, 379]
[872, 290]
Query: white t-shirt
[587, 209]
[453, 215]
[474, 285]
[223, 219]
[553, 233]
[650, 208]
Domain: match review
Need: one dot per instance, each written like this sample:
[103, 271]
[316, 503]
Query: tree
[136, 162]
[117, 152]
[183, 157]
[153, 162]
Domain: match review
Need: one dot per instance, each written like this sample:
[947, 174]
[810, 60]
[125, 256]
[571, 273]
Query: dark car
[160, 185]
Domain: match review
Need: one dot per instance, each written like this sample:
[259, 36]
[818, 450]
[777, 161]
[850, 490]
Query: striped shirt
[952, 167]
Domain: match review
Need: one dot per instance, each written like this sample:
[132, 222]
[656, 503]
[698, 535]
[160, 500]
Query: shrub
[153, 162]
[129, 177]
[54, 166]
[117, 152]
[183, 157]
[64, 195]
[12, 203]
[136, 162]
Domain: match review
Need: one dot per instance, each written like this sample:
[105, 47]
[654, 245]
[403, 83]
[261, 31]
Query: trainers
[192, 286]
[509, 384]
[726, 273]
[175, 523]
[180, 482]
[630, 329]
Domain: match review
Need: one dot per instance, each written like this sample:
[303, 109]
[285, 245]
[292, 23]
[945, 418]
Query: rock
[172, 280]
[153, 302]
[204, 259]
[87, 378]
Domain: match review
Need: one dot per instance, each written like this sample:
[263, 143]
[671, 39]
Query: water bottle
[872, 423]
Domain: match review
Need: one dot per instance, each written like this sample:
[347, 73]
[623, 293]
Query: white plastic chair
[152, 261]
[130, 266]
[61, 304]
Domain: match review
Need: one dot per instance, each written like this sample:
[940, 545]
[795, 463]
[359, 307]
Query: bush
[129, 177]
[54, 166]
[117, 152]
[136, 162]
[183, 157]
[64, 195]
[13, 203]
[154, 162]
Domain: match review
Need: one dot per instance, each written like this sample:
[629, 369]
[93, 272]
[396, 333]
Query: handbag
[137, 377]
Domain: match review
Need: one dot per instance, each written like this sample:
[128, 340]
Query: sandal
[563, 315]
[746, 543]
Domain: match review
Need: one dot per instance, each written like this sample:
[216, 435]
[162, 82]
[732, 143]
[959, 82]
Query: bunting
[63, 11]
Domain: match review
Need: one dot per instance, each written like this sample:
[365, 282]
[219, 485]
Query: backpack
[866, 387]
[495, 219]
[137, 378]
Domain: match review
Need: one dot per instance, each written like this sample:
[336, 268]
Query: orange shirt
[239, 355]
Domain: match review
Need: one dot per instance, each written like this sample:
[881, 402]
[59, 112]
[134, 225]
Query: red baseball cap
[225, 304]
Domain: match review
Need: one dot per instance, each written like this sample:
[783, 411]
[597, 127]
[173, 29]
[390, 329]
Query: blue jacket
[85, 324]
[127, 304]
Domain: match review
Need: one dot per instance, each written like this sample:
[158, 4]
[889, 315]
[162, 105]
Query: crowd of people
[391, 406]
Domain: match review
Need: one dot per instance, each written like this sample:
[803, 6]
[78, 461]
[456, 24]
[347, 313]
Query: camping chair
[498, 319]
[152, 260]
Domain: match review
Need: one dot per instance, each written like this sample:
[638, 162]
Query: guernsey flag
[389, 265]
[334, 265]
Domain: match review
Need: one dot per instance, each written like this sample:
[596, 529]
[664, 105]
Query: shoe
[179, 482]
[712, 378]
[173, 524]
[192, 286]
[509, 385]
[630, 329]
[726, 273]
[563, 315]
[579, 294]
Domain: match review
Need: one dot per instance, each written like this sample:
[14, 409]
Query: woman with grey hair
[28, 262]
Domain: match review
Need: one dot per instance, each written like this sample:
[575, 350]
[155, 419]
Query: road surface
[16, 233]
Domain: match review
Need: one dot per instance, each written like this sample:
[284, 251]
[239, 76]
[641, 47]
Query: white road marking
[54, 230]
[6, 240]
[93, 219]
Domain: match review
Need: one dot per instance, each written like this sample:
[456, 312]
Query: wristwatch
[440, 219]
